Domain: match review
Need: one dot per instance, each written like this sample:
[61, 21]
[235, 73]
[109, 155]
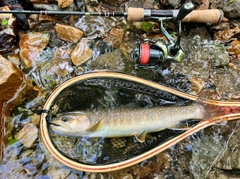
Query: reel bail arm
[157, 52]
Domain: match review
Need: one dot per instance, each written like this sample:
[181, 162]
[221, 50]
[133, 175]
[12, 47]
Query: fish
[123, 122]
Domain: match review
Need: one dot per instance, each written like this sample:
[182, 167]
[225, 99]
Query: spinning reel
[155, 52]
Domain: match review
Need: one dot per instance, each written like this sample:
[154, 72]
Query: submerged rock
[197, 84]
[68, 33]
[219, 56]
[115, 37]
[28, 135]
[31, 46]
[110, 61]
[61, 65]
[81, 53]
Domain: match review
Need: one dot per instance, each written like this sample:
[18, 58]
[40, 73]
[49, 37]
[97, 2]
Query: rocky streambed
[34, 61]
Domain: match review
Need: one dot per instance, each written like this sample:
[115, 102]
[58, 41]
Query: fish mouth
[54, 124]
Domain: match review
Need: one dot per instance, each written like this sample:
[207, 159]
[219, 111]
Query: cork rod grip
[212, 16]
[135, 14]
[200, 16]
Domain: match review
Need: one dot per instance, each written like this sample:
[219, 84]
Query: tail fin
[211, 110]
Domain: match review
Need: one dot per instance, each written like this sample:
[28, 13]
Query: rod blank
[139, 14]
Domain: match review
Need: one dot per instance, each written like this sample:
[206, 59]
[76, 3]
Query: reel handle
[184, 11]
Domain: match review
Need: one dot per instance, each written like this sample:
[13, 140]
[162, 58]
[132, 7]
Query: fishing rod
[140, 14]
[151, 52]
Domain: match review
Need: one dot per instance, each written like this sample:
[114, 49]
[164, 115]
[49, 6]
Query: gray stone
[173, 3]
[232, 10]
[110, 61]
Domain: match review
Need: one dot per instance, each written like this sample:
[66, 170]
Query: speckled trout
[122, 122]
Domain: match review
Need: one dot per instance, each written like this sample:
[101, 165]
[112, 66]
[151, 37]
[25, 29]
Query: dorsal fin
[94, 126]
[141, 136]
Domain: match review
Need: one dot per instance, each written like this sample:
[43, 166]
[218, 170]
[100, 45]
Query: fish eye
[65, 119]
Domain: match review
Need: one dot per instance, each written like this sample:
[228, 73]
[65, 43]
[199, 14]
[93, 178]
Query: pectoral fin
[141, 136]
[94, 126]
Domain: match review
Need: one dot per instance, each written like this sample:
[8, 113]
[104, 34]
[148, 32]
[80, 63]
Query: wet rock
[35, 119]
[227, 82]
[7, 41]
[46, 18]
[94, 26]
[148, 4]
[110, 61]
[6, 27]
[31, 46]
[81, 53]
[219, 56]
[226, 34]
[8, 31]
[231, 10]
[11, 86]
[28, 135]
[134, 4]
[147, 169]
[55, 172]
[64, 3]
[199, 54]
[202, 4]
[115, 37]
[94, 2]
[114, 2]
[33, 21]
[90, 8]
[11, 78]
[216, 4]
[127, 47]
[148, 27]
[197, 85]
[5, 16]
[43, 1]
[61, 65]
[14, 58]
[234, 50]
[220, 26]
[68, 33]
[155, 165]
[173, 3]
[47, 7]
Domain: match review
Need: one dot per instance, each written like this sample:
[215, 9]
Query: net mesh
[109, 93]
